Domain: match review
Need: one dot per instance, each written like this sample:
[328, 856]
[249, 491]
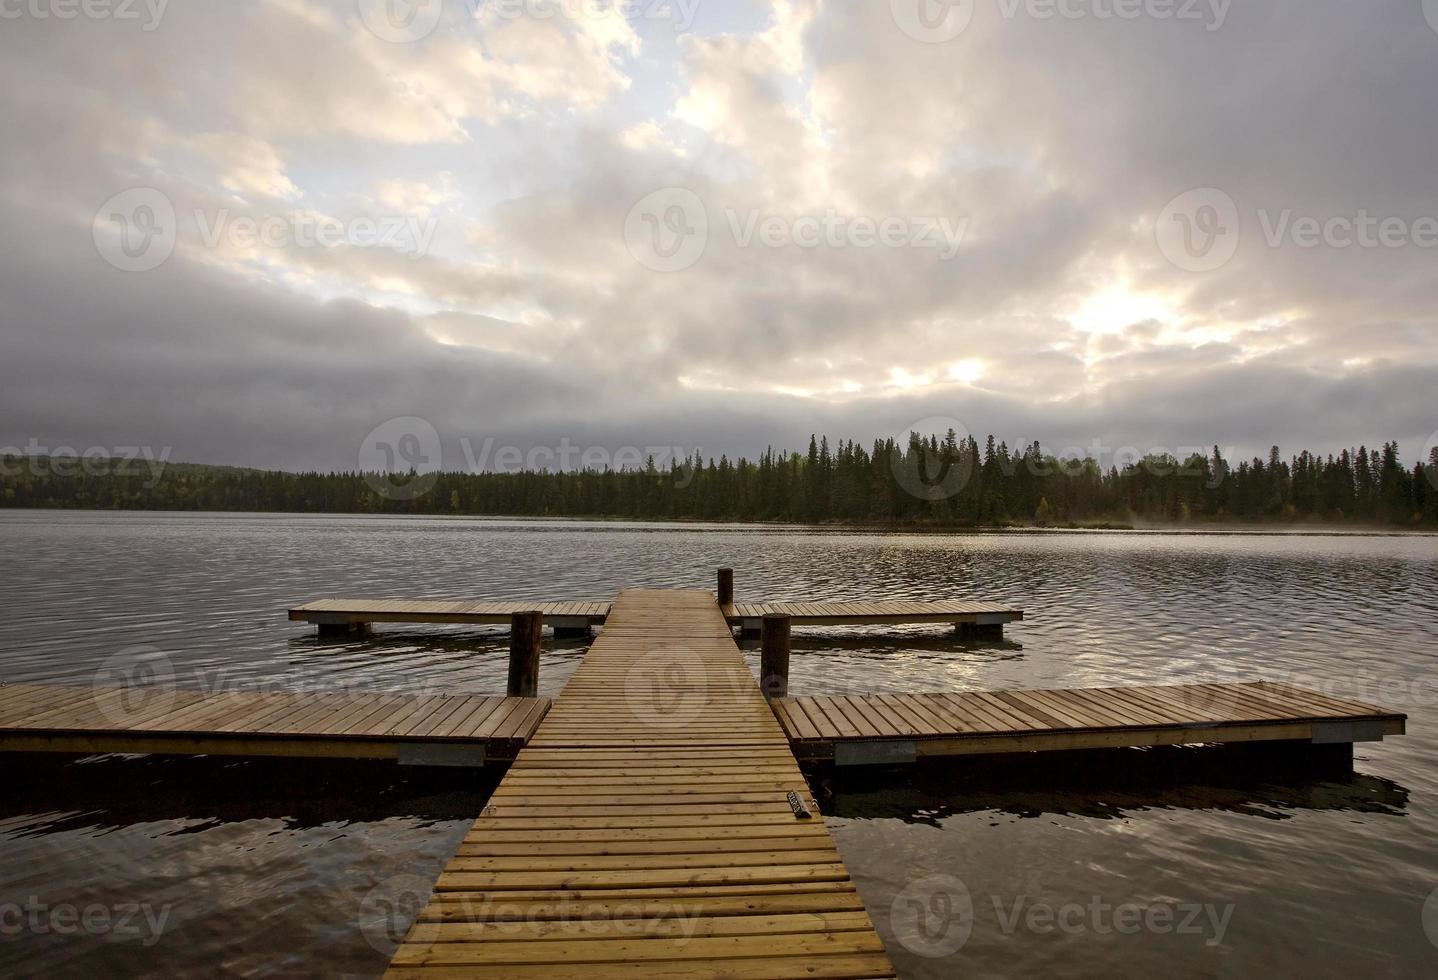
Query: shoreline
[1147, 528]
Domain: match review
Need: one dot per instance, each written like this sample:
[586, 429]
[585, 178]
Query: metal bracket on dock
[1334, 732]
[885, 753]
[456, 756]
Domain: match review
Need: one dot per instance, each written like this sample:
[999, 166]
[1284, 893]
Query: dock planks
[586, 614]
[645, 830]
[874, 613]
[901, 727]
[432, 730]
[332, 612]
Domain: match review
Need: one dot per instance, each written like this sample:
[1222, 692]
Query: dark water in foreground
[1131, 864]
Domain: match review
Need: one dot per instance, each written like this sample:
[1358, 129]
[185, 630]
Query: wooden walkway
[901, 727]
[646, 831]
[436, 730]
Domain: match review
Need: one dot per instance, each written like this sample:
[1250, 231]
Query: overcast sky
[258, 231]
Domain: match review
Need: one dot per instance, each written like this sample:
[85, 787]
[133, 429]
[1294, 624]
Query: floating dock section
[901, 728]
[971, 617]
[442, 730]
[354, 615]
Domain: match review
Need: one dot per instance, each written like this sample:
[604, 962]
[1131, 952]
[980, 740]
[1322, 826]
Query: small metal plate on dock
[470, 756]
[1334, 732]
[886, 753]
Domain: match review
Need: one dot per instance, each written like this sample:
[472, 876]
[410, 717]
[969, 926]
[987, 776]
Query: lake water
[1132, 864]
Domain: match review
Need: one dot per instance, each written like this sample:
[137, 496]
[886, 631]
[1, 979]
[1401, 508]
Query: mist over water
[265, 868]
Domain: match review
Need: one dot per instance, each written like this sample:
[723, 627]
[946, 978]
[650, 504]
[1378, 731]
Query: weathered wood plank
[1023, 720]
[659, 780]
[337, 725]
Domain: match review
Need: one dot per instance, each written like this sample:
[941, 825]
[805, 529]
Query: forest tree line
[942, 481]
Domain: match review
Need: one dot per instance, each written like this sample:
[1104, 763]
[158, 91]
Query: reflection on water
[271, 869]
[1110, 784]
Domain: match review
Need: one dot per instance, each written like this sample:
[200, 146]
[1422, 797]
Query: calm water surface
[1132, 864]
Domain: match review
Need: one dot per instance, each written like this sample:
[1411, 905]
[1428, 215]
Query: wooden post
[526, 629]
[343, 631]
[774, 656]
[726, 586]
[979, 631]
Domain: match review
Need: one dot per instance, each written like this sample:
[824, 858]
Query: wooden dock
[900, 728]
[985, 618]
[980, 618]
[451, 730]
[580, 615]
[646, 831]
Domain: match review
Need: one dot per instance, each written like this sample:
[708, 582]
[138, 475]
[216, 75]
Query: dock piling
[979, 631]
[726, 587]
[774, 658]
[343, 631]
[526, 630]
